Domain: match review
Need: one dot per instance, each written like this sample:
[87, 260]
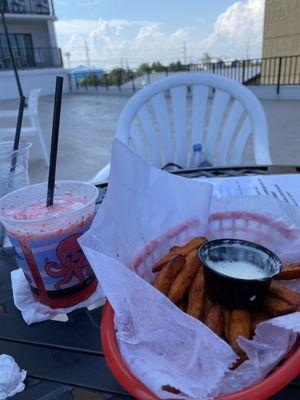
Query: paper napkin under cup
[33, 311]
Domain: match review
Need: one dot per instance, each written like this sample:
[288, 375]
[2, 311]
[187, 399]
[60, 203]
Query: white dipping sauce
[238, 269]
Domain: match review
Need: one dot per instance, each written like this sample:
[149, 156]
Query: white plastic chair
[223, 114]
[34, 129]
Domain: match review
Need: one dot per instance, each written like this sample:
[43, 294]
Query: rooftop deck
[88, 124]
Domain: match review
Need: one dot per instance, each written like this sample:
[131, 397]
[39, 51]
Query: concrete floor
[88, 124]
[87, 128]
[284, 129]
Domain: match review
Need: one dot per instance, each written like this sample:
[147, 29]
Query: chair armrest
[102, 176]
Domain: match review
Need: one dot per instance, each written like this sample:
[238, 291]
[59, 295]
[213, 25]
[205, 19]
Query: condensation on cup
[13, 170]
[45, 240]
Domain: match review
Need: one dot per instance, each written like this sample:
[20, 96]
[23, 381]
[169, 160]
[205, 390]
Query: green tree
[144, 68]
[175, 67]
[116, 76]
[157, 66]
[91, 79]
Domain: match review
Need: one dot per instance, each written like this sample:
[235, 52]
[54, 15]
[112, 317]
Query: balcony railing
[31, 57]
[275, 71]
[41, 7]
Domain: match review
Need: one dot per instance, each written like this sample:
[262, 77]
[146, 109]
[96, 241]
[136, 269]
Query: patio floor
[88, 124]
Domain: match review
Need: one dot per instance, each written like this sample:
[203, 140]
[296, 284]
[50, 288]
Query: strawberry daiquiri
[45, 240]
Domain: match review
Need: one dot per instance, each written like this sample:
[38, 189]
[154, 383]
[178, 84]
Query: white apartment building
[30, 25]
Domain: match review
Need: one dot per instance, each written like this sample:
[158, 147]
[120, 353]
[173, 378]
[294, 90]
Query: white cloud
[109, 41]
[151, 40]
[240, 24]
[86, 26]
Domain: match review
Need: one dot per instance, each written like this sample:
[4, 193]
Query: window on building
[25, 6]
[4, 5]
[22, 47]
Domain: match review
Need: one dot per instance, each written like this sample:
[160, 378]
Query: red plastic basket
[278, 379]
[263, 390]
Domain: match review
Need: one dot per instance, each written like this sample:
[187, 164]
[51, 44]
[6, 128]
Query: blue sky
[183, 12]
[133, 31]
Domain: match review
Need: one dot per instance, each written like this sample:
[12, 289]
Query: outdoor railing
[266, 71]
[31, 57]
[42, 7]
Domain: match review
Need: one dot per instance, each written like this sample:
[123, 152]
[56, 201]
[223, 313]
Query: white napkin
[33, 311]
[11, 377]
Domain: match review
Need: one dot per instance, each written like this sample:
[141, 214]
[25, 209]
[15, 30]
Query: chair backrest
[33, 100]
[163, 120]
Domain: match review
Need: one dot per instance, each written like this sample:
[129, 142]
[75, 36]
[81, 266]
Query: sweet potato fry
[185, 277]
[174, 248]
[163, 262]
[195, 306]
[166, 276]
[182, 250]
[193, 244]
[282, 292]
[208, 303]
[170, 389]
[256, 318]
[240, 324]
[215, 319]
[239, 361]
[291, 271]
[183, 303]
[226, 314]
[276, 307]
[181, 306]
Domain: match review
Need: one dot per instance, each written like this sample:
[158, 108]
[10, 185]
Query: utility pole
[87, 54]
[184, 53]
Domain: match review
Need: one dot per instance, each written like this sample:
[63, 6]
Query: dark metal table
[65, 360]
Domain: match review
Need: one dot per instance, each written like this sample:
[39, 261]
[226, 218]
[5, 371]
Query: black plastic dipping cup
[237, 291]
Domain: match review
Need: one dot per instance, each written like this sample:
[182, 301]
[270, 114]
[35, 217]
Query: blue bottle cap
[197, 147]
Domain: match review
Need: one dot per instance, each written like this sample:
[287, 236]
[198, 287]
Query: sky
[129, 32]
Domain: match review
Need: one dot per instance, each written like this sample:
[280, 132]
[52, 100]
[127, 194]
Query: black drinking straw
[18, 131]
[54, 139]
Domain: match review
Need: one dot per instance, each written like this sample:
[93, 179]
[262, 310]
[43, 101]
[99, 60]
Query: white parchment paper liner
[161, 344]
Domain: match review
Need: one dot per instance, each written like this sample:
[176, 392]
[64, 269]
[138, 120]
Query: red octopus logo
[72, 262]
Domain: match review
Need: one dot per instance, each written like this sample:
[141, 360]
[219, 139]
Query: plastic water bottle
[197, 156]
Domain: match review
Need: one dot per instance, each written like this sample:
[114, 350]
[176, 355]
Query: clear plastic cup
[13, 170]
[47, 250]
